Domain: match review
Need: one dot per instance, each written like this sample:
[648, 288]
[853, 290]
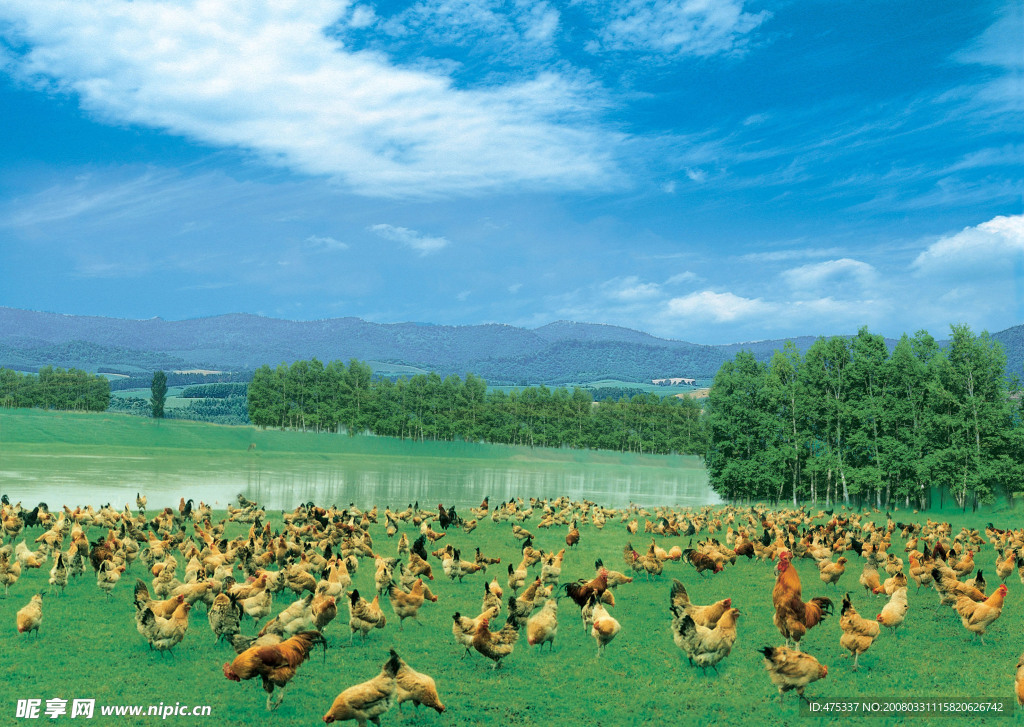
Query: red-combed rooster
[274, 663]
[793, 617]
[581, 591]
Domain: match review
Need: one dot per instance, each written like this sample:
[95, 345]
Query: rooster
[701, 561]
[581, 591]
[793, 617]
[275, 664]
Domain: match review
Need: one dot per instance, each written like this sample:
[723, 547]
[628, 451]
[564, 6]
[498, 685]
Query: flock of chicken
[317, 550]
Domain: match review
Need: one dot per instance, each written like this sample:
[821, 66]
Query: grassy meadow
[88, 647]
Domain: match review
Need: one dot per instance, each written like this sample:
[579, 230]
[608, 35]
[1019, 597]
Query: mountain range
[557, 353]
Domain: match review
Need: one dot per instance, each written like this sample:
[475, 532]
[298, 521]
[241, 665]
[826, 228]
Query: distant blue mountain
[558, 353]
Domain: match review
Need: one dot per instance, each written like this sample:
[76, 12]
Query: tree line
[850, 422]
[313, 396]
[54, 388]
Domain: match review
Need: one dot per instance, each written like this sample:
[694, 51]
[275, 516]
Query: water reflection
[284, 482]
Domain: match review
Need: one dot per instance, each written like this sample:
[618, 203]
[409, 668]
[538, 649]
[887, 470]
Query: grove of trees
[850, 422]
[310, 395]
[54, 388]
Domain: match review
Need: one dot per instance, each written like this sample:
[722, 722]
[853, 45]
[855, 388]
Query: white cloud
[630, 289]
[994, 246]
[515, 288]
[717, 307]
[514, 32]
[696, 175]
[677, 27]
[830, 275]
[326, 243]
[792, 254]
[999, 49]
[263, 76]
[423, 244]
[362, 17]
[684, 277]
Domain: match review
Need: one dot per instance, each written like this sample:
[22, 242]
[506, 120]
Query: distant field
[174, 400]
[614, 383]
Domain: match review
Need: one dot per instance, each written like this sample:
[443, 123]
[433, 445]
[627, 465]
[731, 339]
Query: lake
[284, 482]
[75, 460]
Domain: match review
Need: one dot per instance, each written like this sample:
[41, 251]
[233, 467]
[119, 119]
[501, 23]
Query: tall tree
[738, 424]
[974, 401]
[787, 397]
[826, 369]
[159, 394]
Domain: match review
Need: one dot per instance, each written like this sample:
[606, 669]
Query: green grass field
[88, 648]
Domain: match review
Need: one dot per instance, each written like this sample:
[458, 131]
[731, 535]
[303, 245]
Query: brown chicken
[604, 627]
[464, 628]
[790, 669]
[869, 578]
[542, 627]
[793, 617]
[977, 617]
[920, 572]
[324, 610]
[30, 617]
[366, 702]
[858, 633]
[406, 604]
[495, 645]
[223, 617]
[704, 647]
[163, 634]
[364, 616]
[1018, 681]
[275, 664]
[412, 686]
[706, 616]
[830, 572]
[573, 536]
[895, 611]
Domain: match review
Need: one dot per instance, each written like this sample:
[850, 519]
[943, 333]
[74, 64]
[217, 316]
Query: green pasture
[616, 384]
[25, 429]
[88, 647]
[174, 399]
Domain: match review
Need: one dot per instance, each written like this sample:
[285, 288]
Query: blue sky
[706, 170]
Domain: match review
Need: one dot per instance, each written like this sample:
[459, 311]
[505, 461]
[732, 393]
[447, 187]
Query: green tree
[787, 396]
[739, 426]
[159, 394]
[826, 373]
[975, 416]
